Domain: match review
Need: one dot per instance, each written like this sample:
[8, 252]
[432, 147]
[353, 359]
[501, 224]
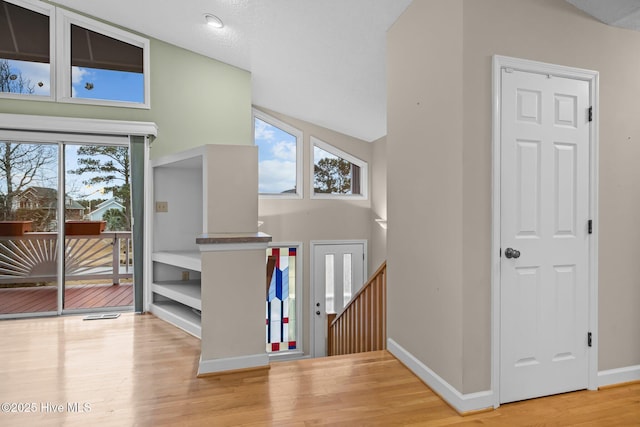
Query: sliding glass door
[98, 247]
[28, 228]
[89, 221]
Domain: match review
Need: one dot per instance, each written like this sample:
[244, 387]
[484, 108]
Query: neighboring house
[45, 199]
[98, 213]
[36, 198]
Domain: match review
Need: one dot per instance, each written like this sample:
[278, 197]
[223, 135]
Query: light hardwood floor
[139, 370]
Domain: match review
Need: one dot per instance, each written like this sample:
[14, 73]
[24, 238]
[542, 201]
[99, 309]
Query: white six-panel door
[544, 266]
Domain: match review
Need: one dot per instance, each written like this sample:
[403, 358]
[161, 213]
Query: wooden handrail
[362, 325]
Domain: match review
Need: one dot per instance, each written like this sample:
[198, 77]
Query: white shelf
[178, 314]
[192, 209]
[184, 292]
[190, 260]
[178, 181]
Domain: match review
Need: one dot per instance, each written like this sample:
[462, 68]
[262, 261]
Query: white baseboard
[460, 402]
[232, 363]
[619, 375]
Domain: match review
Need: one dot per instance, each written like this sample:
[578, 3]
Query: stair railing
[362, 325]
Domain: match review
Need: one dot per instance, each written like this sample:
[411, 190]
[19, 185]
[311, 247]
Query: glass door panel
[28, 228]
[98, 246]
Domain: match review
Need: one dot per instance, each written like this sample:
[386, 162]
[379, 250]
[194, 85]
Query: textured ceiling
[620, 13]
[322, 61]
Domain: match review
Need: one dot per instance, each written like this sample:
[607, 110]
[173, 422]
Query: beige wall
[543, 30]
[424, 153]
[305, 220]
[232, 304]
[378, 171]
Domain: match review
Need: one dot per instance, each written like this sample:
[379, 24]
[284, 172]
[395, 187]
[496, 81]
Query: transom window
[102, 64]
[336, 173]
[94, 63]
[25, 46]
[279, 157]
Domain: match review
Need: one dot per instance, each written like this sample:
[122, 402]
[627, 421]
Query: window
[279, 157]
[336, 173]
[25, 44]
[282, 302]
[101, 64]
[53, 54]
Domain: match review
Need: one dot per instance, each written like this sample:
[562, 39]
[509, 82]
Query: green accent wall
[195, 100]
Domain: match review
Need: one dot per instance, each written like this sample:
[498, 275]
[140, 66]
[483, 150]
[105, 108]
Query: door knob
[511, 253]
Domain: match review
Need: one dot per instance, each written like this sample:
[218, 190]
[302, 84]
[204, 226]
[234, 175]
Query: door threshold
[101, 316]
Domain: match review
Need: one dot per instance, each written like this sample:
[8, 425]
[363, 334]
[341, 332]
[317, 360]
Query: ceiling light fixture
[213, 20]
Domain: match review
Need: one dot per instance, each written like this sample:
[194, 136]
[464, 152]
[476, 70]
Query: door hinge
[590, 226]
[589, 339]
[590, 114]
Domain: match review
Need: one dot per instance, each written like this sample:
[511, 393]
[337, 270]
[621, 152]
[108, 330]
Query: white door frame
[312, 291]
[500, 62]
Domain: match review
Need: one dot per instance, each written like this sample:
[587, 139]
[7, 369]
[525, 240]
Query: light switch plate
[162, 207]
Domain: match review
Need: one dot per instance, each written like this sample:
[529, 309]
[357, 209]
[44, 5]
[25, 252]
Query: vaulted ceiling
[317, 60]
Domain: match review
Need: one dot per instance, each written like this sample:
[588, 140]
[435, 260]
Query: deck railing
[33, 257]
[362, 325]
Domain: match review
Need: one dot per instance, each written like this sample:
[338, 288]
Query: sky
[107, 84]
[277, 158]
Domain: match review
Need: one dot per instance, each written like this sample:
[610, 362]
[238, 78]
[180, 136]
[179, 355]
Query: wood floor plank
[39, 299]
[139, 370]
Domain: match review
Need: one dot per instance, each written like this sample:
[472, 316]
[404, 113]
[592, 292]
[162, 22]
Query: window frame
[363, 165]
[64, 20]
[60, 21]
[299, 135]
[50, 11]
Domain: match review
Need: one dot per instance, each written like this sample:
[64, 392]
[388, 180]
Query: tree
[12, 80]
[108, 165]
[19, 163]
[332, 176]
[116, 220]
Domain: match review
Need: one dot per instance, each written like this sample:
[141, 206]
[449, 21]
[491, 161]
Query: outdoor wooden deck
[44, 298]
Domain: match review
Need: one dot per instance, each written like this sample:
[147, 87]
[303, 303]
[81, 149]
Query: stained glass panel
[281, 299]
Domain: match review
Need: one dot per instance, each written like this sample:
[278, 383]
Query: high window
[279, 157]
[51, 53]
[101, 64]
[336, 173]
[26, 41]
